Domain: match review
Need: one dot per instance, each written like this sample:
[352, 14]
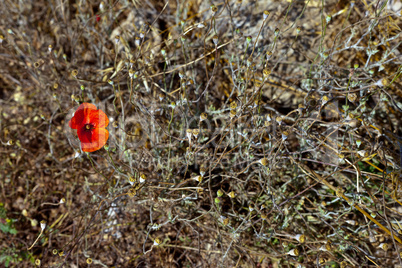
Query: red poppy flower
[90, 124]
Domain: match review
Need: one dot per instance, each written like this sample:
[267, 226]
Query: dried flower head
[203, 116]
[263, 161]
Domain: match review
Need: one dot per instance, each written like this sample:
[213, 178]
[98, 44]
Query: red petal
[99, 119]
[92, 140]
[80, 117]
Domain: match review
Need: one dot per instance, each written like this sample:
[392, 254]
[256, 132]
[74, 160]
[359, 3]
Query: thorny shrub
[242, 133]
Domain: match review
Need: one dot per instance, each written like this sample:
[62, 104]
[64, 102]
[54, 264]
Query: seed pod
[266, 72]
[265, 14]
[352, 97]
[219, 193]
[157, 242]
[328, 246]
[325, 99]
[232, 114]
[233, 105]
[215, 39]
[232, 194]
[263, 161]
[351, 222]
[384, 246]
[132, 192]
[285, 135]
[203, 116]
[137, 41]
[74, 73]
[214, 9]
[196, 132]
[203, 170]
[197, 178]
[202, 25]
[43, 225]
[279, 120]
[131, 73]
[189, 133]
[323, 260]
[358, 143]
[294, 252]
[301, 238]
[269, 54]
[143, 178]
[363, 153]
[132, 180]
[34, 222]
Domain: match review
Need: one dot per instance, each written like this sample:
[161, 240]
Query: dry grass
[235, 140]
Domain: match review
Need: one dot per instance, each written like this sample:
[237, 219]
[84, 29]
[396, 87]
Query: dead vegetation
[242, 133]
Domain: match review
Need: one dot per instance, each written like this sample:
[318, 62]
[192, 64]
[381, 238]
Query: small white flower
[197, 178]
[294, 252]
[380, 83]
[43, 225]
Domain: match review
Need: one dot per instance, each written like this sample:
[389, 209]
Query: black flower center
[89, 127]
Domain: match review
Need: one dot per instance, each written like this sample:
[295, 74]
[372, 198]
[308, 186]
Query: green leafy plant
[8, 255]
[6, 224]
